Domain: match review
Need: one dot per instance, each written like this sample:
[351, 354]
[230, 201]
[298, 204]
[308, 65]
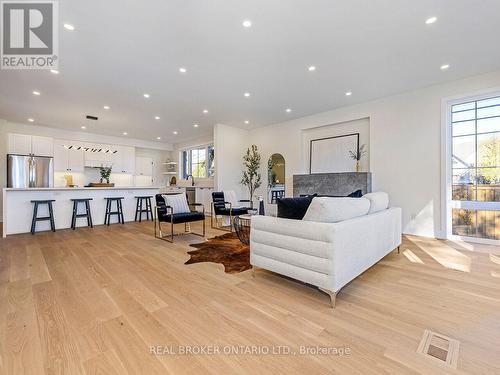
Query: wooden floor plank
[96, 301]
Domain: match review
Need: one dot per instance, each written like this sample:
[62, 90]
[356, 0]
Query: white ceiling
[121, 49]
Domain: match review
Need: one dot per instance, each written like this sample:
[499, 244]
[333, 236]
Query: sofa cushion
[378, 201]
[333, 210]
[293, 208]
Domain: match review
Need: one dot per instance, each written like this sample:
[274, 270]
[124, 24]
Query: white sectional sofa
[347, 236]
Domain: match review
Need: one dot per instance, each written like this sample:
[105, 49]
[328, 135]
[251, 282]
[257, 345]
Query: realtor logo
[29, 34]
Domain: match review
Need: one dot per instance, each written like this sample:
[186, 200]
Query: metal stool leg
[73, 218]
[107, 215]
[120, 210]
[89, 215]
[136, 208]
[51, 213]
[33, 220]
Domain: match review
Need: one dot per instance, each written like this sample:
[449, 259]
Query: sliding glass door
[474, 196]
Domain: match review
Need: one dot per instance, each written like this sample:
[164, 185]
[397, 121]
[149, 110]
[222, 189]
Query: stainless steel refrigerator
[29, 171]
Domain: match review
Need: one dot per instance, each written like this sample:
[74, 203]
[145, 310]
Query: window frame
[447, 204]
[186, 164]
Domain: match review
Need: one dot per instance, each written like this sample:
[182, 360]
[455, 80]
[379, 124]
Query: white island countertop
[18, 209]
[84, 188]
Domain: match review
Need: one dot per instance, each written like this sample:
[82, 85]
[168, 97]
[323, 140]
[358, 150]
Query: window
[198, 162]
[475, 161]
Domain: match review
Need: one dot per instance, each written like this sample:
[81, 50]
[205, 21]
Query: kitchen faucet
[192, 179]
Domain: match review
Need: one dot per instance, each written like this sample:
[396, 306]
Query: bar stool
[35, 218]
[87, 213]
[119, 210]
[139, 209]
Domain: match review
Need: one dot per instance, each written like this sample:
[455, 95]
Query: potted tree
[251, 177]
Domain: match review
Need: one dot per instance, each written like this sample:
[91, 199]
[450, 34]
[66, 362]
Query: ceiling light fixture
[106, 107]
[125, 133]
[157, 117]
[175, 132]
[430, 20]
[84, 127]
[158, 138]
[31, 120]
[205, 111]
[247, 23]
[312, 68]
[195, 125]
[247, 95]
[53, 71]
[146, 96]
[348, 93]
[445, 66]
[69, 27]
[182, 70]
[288, 110]
[37, 93]
[247, 122]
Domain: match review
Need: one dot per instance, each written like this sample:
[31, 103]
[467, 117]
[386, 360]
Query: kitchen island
[18, 209]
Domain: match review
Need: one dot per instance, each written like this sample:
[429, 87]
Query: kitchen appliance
[29, 171]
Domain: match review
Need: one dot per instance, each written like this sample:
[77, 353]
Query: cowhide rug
[226, 249]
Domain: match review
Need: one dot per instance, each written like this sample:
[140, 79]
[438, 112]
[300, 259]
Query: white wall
[230, 145]
[405, 146]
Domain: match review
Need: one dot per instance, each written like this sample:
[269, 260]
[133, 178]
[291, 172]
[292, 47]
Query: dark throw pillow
[356, 194]
[293, 208]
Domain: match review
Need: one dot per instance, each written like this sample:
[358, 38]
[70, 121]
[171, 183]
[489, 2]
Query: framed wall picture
[331, 154]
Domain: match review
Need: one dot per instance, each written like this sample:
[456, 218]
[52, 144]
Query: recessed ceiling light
[288, 110]
[445, 66]
[195, 125]
[53, 71]
[430, 20]
[182, 70]
[37, 93]
[312, 68]
[31, 120]
[175, 132]
[247, 122]
[247, 23]
[146, 96]
[247, 94]
[84, 127]
[125, 133]
[106, 107]
[69, 27]
[157, 117]
[158, 138]
[348, 93]
[205, 111]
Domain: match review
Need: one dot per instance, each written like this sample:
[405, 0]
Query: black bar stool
[139, 208]
[119, 210]
[35, 218]
[87, 213]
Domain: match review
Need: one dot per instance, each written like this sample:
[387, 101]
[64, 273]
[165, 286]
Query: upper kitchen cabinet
[42, 146]
[126, 160]
[23, 144]
[67, 159]
[143, 166]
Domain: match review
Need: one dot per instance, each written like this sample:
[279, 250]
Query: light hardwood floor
[94, 301]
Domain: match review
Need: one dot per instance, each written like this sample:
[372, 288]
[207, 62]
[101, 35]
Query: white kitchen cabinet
[67, 160]
[23, 144]
[125, 160]
[19, 144]
[42, 146]
[143, 166]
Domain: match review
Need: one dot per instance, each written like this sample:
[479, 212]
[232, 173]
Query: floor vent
[439, 348]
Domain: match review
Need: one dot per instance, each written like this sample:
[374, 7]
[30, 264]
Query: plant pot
[358, 167]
